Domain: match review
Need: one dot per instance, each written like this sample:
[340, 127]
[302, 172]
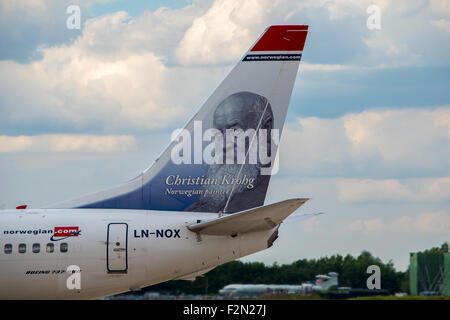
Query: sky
[367, 135]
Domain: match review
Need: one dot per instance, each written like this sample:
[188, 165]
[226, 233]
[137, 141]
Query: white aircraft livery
[198, 205]
[322, 283]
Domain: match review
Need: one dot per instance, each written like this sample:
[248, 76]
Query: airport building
[429, 274]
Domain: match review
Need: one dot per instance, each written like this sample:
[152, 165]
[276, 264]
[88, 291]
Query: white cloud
[372, 143]
[123, 74]
[373, 225]
[366, 190]
[434, 222]
[228, 27]
[355, 226]
[8, 7]
[26, 25]
[127, 68]
[374, 156]
[440, 7]
[406, 36]
[312, 225]
[441, 24]
[66, 143]
[108, 79]
[437, 222]
[360, 192]
[305, 66]
[224, 32]
[14, 144]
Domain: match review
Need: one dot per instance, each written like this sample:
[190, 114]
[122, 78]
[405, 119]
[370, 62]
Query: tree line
[352, 273]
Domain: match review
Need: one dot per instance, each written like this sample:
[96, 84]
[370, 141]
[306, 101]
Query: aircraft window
[64, 246]
[36, 247]
[8, 248]
[22, 248]
[50, 247]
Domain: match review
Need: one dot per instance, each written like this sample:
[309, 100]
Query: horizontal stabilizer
[257, 219]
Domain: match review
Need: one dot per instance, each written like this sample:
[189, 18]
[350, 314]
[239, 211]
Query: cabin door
[117, 247]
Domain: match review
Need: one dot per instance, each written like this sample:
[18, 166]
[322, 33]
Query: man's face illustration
[237, 115]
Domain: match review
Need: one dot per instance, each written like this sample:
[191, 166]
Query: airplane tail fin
[223, 159]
